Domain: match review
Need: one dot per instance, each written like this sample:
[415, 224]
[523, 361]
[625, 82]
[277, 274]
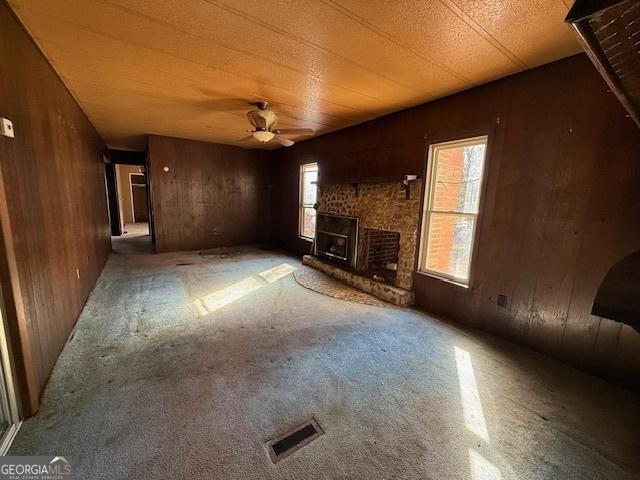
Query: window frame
[301, 205]
[427, 199]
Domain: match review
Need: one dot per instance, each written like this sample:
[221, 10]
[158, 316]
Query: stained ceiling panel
[190, 69]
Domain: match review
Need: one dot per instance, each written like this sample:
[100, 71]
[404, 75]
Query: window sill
[310, 240]
[462, 286]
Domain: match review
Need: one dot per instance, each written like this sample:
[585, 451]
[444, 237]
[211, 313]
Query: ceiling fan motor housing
[264, 123]
[263, 119]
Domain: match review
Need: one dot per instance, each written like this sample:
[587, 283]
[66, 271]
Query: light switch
[6, 127]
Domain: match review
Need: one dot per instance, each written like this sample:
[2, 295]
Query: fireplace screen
[337, 239]
[334, 245]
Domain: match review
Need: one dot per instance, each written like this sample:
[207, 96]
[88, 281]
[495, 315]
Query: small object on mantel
[407, 184]
[378, 278]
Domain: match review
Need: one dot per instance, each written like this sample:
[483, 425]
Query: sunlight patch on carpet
[471, 406]
[220, 298]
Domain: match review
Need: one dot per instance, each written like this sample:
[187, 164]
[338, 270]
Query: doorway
[9, 416]
[131, 180]
[128, 190]
[134, 210]
[139, 198]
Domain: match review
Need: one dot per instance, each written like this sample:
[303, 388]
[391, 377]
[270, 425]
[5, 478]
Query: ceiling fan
[264, 123]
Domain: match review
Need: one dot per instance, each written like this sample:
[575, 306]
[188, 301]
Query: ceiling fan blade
[296, 131]
[283, 141]
[216, 102]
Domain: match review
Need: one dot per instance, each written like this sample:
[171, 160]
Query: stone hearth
[390, 293]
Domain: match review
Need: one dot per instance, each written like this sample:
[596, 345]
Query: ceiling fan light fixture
[263, 135]
[265, 123]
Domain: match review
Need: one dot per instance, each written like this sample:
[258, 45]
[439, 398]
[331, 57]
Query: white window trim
[301, 205]
[426, 213]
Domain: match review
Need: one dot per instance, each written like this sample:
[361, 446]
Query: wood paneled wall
[55, 230]
[562, 205]
[213, 195]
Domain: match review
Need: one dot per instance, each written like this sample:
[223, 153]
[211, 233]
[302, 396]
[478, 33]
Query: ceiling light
[263, 135]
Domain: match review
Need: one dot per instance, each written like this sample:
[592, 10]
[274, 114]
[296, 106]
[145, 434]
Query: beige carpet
[188, 371]
[326, 285]
[222, 252]
[135, 239]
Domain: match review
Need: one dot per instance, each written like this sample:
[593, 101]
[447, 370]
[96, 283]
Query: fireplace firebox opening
[337, 239]
[379, 254]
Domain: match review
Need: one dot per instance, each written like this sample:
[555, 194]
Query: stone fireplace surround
[379, 206]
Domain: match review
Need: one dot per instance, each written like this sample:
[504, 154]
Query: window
[451, 208]
[308, 192]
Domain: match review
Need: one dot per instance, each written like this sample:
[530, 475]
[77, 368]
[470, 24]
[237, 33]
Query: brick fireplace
[387, 225]
[380, 250]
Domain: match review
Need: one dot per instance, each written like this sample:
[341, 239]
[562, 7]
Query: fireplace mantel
[406, 181]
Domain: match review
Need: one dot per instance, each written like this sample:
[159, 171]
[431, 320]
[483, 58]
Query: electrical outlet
[502, 300]
[6, 127]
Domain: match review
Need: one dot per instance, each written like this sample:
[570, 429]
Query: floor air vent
[293, 440]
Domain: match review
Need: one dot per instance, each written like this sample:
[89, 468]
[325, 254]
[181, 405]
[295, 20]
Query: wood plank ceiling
[189, 68]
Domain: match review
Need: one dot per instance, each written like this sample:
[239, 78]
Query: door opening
[133, 200]
[9, 416]
[138, 185]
